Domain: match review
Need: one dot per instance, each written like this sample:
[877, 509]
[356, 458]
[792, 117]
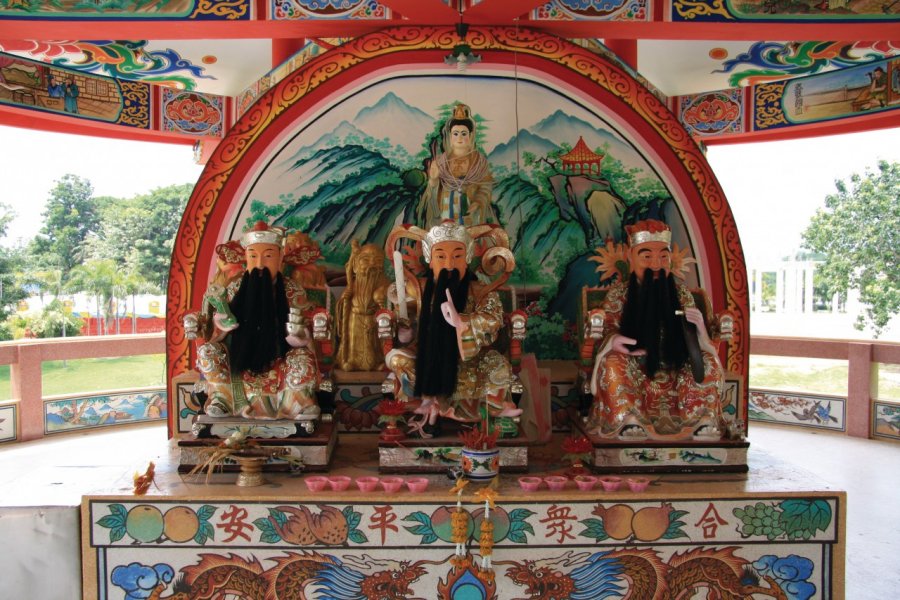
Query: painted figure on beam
[657, 372]
[257, 360]
[452, 368]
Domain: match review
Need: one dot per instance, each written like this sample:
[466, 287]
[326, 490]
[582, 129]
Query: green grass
[94, 374]
[819, 376]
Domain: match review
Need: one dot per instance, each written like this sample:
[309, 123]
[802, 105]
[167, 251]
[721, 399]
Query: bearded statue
[358, 346]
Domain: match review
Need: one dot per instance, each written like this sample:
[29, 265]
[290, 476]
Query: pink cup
[555, 482]
[610, 484]
[367, 484]
[316, 483]
[339, 483]
[417, 485]
[585, 483]
[530, 484]
[638, 484]
[392, 485]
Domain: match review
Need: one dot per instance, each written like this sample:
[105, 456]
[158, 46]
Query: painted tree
[857, 232]
[70, 217]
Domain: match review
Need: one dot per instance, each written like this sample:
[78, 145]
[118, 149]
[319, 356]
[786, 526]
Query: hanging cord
[518, 157]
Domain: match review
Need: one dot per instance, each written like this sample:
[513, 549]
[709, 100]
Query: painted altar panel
[765, 546]
[713, 113]
[289, 10]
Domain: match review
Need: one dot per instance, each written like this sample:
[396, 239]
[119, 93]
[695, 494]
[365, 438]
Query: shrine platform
[47, 486]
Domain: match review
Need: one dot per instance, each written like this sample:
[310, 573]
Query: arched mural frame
[711, 224]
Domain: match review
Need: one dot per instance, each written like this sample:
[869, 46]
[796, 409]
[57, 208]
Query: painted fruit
[652, 522]
[616, 520]
[180, 524]
[144, 523]
[500, 519]
[441, 525]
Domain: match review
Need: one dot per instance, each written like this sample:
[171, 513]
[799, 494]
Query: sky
[33, 161]
[774, 188]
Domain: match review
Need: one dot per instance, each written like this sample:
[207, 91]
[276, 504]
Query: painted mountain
[360, 179]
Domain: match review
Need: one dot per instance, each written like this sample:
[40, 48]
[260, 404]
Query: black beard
[649, 317]
[437, 357]
[261, 308]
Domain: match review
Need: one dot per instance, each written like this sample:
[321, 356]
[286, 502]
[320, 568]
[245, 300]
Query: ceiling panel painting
[221, 67]
[328, 9]
[593, 10]
[785, 10]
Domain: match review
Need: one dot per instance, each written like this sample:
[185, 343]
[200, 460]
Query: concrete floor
[57, 472]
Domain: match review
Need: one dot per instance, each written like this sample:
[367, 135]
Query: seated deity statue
[657, 371]
[358, 346]
[460, 185]
[257, 359]
[451, 368]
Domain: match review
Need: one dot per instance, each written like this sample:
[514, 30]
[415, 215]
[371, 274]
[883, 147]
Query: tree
[857, 232]
[11, 261]
[138, 234]
[101, 278]
[70, 217]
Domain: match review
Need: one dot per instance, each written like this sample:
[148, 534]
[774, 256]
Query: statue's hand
[224, 322]
[300, 339]
[191, 323]
[694, 316]
[620, 344]
[448, 309]
[404, 333]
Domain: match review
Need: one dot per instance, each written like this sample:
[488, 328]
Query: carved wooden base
[649, 456]
[314, 451]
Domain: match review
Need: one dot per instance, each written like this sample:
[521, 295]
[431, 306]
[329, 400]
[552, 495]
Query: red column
[625, 50]
[283, 49]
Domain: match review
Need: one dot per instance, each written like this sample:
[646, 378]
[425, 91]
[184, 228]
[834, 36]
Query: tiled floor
[58, 472]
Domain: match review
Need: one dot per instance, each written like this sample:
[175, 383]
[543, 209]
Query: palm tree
[99, 277]
[134, 283]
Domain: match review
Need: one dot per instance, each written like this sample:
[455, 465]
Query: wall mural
[820, 412]
[8, 422]
[713, 113]
[129, 60]
[593, 10]
[774, 61]
[886, 420]
[784, 10]
[769, 548]
[191, 113]
[104, 410]
[328, 9]
[128, 9]
[359, 168]
[869, 88]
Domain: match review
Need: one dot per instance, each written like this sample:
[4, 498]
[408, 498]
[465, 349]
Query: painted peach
[180, 524]
[144, 523]
[651, 523]
[616, 520]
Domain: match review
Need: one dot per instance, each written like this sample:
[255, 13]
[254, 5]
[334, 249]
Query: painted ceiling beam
[423, 11]
[186, 30]
[500, 11]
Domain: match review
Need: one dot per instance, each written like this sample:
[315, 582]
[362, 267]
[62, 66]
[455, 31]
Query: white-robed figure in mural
[460, 185]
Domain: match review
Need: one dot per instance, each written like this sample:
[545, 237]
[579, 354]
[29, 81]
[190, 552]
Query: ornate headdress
[462, 115]
[448, 231]
[261, 233]
[648, 230]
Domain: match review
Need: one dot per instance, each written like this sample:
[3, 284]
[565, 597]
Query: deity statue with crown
[444, 364]
[657, 372]
[257, 359]
[460, 185]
